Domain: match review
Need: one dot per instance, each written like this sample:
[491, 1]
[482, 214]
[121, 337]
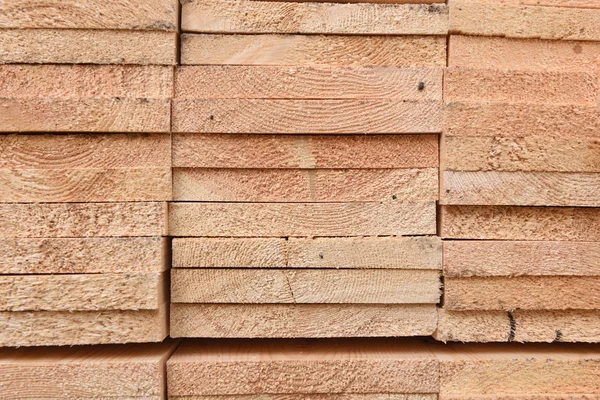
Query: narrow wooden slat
[380, 396]
[551, 3]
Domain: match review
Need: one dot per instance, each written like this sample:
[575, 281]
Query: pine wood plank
[82, 220]
[218, 16]
[371, 396]
[87, 46]
[307, 82]
[83, 255]
[294, 50]
[310, 367]
[301, 320]
[306, 116]
[300, 185]
[305, 286]
[302, 151]
[301, 219]
[515, 258]
[520, 223]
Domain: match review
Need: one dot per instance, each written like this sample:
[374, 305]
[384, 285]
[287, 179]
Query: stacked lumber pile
[520, 172]
[286, 223]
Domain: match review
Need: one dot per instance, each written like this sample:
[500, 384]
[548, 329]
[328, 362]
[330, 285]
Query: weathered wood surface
[300, 185]
[301, 320]
[304, 151]
[552, 3]
[301, 219]
[371, 396]
[218, 16]
[294, 50]
[304, 286]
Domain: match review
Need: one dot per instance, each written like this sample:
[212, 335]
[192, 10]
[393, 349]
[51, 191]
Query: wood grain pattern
[304, 219]
[552, 3]
[307, 152]
[304, 286]
[306, 116]
[300, 185]
[218, 16]
[294, 50]
[371, 396]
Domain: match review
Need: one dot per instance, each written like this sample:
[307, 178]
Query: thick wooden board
[467, 258]
[302, 185]
[301, 219]
[83, 292]
[302, 151]
[104, 371]
[47, 220]
[301, 320]
[305, 286]
[518, 326]
[523, 21]
[308, 367]
[278, 82]
[83, 255]
[294, 50]
[520, 223]
[521, 188]
[370, 396]
[306, 116]
[89, 46]
[218, 16]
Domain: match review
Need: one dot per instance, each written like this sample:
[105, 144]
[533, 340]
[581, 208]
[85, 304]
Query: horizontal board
[552, 3]
[91, 14]
[278, 82]
[304, 286]
[523, 293]
[359, 396]
[541, 87]
[218, 16]
[302, 151]
[304, 219]
[518, 326]
[301, 320]
[525, 153]
[523, 21]
[508, 258]
[520, 223]
[521, 188]
[306, 116]
[89, 46]
[301, 185]
[562, 396]
[83, 292]
[82, 220]
[294, 50]
[83, 255]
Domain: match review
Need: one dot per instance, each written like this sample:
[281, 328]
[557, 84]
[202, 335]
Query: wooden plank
[302, 151]
[307, 82]
[218, 16]
[301, 320]
[305, 286]
[306, 116]
[301, 219]
[520, 223]
[560, 396]
[371, 396]
[523, 293]
[83, 292]
[136, 370]
[523, 21]
[301, 185]
[294, 50]
[90, 46]
[300, 367]
[91, 14]
[521, 188]
[514, 258]
[551, 3]
[82, 220]
[83, 255]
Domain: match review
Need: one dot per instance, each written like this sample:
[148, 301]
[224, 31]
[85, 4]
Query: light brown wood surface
[301, 219]
[305, 151]
[371, 396]
[218, 16]
[551, 3]
[341, 50]
[562, 396]
[301, 320]
[305, 286]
